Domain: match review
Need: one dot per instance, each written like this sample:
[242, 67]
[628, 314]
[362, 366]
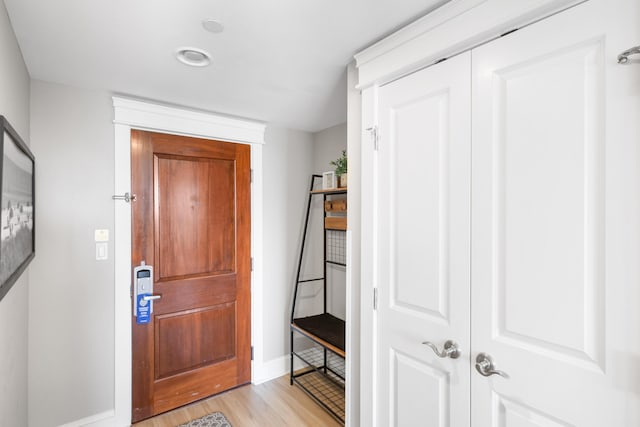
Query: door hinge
[126, 197]
[251, 352]
[375, 136]
[509, 32]
[251, 176]
[375, 298]
[251, 263]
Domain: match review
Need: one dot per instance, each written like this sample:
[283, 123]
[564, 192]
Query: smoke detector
[213, 26]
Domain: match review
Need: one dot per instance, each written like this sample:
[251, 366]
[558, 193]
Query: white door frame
[457, 26]
[133, 114]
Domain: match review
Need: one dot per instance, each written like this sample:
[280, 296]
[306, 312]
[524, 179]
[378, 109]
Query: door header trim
[158, 117]
[449, 30]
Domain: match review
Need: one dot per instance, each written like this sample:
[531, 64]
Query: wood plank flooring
[274, 403]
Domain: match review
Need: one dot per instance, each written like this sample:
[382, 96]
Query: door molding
[134, 114]
[456, 26]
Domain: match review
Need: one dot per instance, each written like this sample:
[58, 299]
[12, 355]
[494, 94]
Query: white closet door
[556, 221]
[422, 265]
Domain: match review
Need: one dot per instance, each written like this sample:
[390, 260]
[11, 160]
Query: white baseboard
[271, 369]
[274, 368]
[103, 419]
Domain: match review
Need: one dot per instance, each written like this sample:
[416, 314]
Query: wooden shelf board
[322, 329]
[319, 340]
[335, 223]
[331, 191]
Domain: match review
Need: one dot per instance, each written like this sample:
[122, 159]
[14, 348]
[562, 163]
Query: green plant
[341, 164]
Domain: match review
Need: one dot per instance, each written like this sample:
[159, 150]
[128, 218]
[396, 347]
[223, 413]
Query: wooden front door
[191, 222]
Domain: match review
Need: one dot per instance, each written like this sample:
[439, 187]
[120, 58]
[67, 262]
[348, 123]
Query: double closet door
[507, 226]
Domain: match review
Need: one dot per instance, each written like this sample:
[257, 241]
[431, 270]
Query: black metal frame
[323, 368]
[304, 239]
[337, 378]
[13, 138]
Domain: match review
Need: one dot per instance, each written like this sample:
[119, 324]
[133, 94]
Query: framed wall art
[328, 180]
[17, 220]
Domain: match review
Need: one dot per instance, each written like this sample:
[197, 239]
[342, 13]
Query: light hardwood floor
[274, 403]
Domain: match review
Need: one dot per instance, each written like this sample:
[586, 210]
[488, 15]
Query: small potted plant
[341, 169]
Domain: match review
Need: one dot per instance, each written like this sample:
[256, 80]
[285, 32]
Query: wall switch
[101, 235]
[102, 251]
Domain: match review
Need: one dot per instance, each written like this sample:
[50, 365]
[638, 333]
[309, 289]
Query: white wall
[287, 169]
[14, 105]
[71, 336]
[327, 146]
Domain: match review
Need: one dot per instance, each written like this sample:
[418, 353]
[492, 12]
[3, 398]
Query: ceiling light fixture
[213, 26]
[193, 56]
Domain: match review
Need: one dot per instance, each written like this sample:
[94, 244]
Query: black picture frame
[17, 206]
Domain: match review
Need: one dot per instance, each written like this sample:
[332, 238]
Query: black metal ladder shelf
[318, 340]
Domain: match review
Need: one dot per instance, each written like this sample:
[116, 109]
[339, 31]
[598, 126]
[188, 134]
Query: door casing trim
[135, 114]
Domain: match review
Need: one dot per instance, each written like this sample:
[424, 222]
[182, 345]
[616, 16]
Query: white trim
[132, 114]
[98, 420]
[158, 117]
[352, 346]
[412, 31]
[353, 284]
[368, 332]
[122, 280]
[456, 26]
[257, 233]
[275, 368]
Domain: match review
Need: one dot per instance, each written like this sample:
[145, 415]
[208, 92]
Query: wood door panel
[195, 147]
[196, 216]
[194, 385]
[141, 174]
[203, 292]
[194, 338]
[192, 223]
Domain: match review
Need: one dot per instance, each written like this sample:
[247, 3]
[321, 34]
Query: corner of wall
[14, 307]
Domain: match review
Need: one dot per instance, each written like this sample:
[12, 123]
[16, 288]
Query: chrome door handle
[450, 349]
[151, 297]
[485, 367]
[623, 58]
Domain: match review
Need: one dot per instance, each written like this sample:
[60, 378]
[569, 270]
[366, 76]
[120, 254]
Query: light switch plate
[102, 251]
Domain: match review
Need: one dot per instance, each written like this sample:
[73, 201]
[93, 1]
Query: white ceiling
[277, 61]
